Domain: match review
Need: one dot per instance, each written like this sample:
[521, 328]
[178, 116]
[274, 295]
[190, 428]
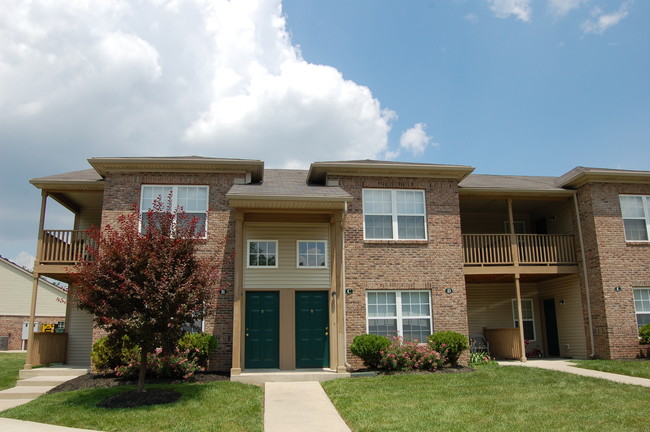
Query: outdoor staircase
[34, 382]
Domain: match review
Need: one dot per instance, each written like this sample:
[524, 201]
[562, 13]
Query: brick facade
[612, 262]
[432, 265]
[12, 326]
[122, 191]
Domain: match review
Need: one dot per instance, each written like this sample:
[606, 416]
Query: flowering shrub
[177, 365]
[451, 343]
[404, 355]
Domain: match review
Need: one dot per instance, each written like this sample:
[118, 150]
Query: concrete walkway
[569, 367]
[11, 425]
[299, 407]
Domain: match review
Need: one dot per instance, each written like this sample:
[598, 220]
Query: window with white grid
[191, 200]
[635, 210]
[399, 313]
[394, 214]
[642, 305]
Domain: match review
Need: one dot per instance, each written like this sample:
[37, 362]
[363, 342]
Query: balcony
[484, 250]
[61, 249]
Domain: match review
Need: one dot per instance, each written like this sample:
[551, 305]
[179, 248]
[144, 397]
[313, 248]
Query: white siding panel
[16, 294]
[287, 274]
[80, 337]
[570, 320]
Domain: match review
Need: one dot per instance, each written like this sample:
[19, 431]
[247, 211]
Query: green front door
[312, 329]
[262, 329]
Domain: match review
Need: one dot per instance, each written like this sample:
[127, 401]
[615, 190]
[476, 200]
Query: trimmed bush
[644, 333]
[368, 348]
[108, 353]
[404, 355]
[450, 344]
[176, 365]
[199, 346]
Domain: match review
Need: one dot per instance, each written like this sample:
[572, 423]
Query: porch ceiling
[493, 205]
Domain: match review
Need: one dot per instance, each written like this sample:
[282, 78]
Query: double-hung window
[636, 216]
[642, 305]
[399, 313]
[311, 254]
[394, 214]
[192, 200]
[262, 254]
[527, 316]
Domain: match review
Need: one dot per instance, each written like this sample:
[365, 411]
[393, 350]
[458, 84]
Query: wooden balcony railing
[495, 249]
[64, 246]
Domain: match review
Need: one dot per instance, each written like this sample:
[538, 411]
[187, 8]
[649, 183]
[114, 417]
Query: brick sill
[639, 243]
[397, 242]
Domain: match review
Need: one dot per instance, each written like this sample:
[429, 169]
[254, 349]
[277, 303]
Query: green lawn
[223, 406]
[494, 398]
[10, 364]
[635, 368]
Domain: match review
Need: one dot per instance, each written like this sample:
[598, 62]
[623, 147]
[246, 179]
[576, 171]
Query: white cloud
[210, 77]
[601, 21]
[416, 139]
[505, 8]
[560, 8]
[473, 18]
[24, 260]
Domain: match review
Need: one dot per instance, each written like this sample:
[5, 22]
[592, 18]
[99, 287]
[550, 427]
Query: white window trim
[175, 201]
[327, 261]
[248, 254]
[394, 214]
[636, 312]
[515, 317]
[645, 199]
[398, 316]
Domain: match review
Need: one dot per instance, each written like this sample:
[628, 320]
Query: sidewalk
[568, 367]
[11, 425]
[298, 407]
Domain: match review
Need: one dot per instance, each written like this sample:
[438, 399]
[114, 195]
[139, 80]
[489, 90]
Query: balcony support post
[515, 259]
[39, 256]
[237, 336]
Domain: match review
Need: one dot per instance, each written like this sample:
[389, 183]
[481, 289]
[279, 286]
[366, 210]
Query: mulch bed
[90, 381]
[132, 399]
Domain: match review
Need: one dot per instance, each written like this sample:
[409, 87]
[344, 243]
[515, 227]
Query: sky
[523, 87]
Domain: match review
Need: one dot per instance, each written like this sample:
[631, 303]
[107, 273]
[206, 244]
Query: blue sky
[527, 87]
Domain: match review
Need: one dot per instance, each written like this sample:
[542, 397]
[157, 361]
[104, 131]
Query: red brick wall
[431, 265]
[123, 190]
[611, 262]
[12, 326]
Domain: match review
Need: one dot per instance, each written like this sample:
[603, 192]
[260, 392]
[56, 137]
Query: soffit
[319, 171]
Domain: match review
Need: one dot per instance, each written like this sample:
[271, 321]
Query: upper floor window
[642, 305]
[192, 200]
[312, 254]
[636, 216]
[394, 214]
[262, 253]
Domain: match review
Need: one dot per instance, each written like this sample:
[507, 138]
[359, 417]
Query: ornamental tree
[144, 279]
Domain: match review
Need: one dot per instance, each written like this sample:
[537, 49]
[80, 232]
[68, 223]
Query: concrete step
[28, 392]
[53, 380]
[261, 377]
[53, 371]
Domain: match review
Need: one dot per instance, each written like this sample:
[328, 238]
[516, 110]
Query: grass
[226, 406]
[495, 398]
[10, 364]
[635, 368]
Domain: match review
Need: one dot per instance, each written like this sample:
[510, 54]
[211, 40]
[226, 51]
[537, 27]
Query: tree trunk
[143, 370]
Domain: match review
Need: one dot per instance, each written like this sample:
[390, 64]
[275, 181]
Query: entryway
[262, 329]
[312, 329]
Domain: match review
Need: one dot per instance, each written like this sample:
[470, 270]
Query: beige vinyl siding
[570, 319]
[490, 306]
[559, 217]
[286, 275]
[481, 223]
[87, 218]
[80, 337]
[16, 294]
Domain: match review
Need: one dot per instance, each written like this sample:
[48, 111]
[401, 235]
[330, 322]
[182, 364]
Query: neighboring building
[356, 247]
[15, 303]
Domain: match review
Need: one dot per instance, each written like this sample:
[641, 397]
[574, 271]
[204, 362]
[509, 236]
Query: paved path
[569, 367]
[299, 407]
[11, 425]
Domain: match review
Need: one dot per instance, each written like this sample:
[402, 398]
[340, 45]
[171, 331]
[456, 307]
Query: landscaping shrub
[449, 343]
[644, 333]
[368, 348]
[403, 355]
[477, 358]
[199, 346]
[176, 365]
[108, 353]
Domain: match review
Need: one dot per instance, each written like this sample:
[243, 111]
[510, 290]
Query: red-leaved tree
[144, 279]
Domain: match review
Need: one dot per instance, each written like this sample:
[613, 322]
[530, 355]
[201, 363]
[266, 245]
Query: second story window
[193, 200]
[312, 254]
[394, 214]
[636, 216]
[262, 253]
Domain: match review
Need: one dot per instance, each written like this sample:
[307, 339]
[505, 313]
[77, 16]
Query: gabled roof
[283, 188]
[581, 175]
[76, 180]
[319, 170]
[178, 164]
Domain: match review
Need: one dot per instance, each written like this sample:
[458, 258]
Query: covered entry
[262, 329]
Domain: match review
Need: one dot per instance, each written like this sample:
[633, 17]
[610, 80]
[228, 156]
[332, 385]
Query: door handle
[327, 333]
[246, 334]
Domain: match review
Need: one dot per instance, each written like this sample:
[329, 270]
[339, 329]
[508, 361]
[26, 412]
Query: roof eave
[597, 176]
[319, 170]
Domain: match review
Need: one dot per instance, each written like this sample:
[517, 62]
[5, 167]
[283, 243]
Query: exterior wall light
[449, 290]
[349, 290]
[562, 301]
[617, 288]
[222, 291]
